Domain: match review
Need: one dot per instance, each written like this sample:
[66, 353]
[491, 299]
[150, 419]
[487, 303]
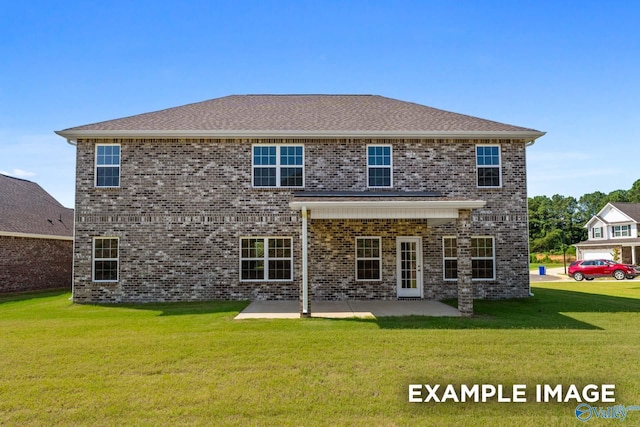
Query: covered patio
[347, 309]
[431, 209]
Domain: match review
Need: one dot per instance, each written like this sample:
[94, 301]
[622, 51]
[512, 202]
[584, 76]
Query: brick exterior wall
[184, 204]
[28, 264]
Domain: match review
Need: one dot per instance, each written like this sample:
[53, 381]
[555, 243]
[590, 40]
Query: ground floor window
[482, 258]
[450, 257]
[105, 259]
[368, 258]
[266, 259]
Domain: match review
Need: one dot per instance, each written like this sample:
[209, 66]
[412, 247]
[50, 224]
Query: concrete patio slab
[346, 309]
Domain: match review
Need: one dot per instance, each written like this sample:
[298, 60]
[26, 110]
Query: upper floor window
[488, 164]
[278, 166]
[379, 166]
[621, 231]
[107, 173]
[596, 232]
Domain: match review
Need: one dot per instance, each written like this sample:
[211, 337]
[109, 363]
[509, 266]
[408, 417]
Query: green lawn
[185, 364]
[534, 266]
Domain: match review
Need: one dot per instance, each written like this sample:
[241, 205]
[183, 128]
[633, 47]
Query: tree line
[558, 221]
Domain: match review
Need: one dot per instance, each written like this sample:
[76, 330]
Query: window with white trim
[368, 258]
[488, 165]
[266, 259]
[621, 230]
[105, 259]
[483, 259]
[379, 166]
[107, 171]
[597, 232]
[450, 257]
[278, 165]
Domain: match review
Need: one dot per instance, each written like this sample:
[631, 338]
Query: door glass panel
[409, 276]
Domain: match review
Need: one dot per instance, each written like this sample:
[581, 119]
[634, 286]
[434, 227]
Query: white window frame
[97, 166]
[94, 259]
[449, 258]
[499, 165]
[390, 166]
[378, 258]
[493, 258]
[597, 235]
[618, 231]
[278, 166]
[265, 258]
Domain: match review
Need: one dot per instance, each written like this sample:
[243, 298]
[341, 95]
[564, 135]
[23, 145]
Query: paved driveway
[553, 274]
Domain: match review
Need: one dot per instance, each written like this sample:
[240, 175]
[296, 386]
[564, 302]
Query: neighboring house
[615, 226]
[36, 238]
[309, 197]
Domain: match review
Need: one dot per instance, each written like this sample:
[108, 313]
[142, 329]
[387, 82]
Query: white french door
[409, 266]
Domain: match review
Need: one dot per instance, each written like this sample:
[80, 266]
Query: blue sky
[569, 68]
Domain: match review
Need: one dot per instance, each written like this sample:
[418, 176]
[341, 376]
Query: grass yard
[186, 364]
[534, 266]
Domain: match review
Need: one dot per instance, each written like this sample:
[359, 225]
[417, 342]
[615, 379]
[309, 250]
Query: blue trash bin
[542, 270]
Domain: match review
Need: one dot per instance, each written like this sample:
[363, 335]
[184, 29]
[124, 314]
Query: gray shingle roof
[26, 208]
[632, 210]
[300, 113]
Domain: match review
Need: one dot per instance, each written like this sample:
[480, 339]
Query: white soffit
[434, 210]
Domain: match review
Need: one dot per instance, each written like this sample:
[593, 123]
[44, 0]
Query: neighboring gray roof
[608, 242]
[632, 210]
[26, 208]
[303, 115]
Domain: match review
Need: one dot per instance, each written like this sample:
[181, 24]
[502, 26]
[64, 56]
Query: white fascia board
[72, 136]
[609, 206]
[35, 236]
[594, 219]
[390, 204]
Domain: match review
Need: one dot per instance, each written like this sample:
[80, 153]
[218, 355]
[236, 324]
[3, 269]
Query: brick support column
[465, 285]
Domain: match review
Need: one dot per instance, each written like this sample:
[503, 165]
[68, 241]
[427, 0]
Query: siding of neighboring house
[611, 218]
[29, 264]
[184, 204]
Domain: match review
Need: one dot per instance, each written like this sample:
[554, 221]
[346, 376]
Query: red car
[588, 269]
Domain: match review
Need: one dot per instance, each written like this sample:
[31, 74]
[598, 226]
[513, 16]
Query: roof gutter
[533, 140]
[70, 140]
[73, 135]
[35, 236]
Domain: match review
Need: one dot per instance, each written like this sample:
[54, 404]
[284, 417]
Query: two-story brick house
[300, 197]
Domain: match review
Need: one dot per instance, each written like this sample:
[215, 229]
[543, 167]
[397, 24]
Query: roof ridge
[306, 94]
[42, 194]
[16, 178]
[304, 115]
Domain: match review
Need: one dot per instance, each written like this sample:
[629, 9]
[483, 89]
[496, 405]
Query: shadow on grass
[29, 295]
[185, 308]
[165, 309]
[542, 311]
